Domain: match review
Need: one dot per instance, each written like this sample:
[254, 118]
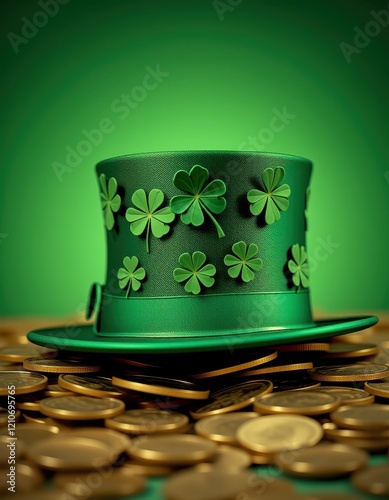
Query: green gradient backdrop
[225, 79]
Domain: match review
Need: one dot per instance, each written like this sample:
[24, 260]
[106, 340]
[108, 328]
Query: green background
[225, 74]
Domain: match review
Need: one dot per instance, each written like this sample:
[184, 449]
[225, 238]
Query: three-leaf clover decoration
[110, 200]
[200, 197]
[273, 196]
[299, 267]
[130, 275]
[147, 215]
[243, 263]
[194, 272]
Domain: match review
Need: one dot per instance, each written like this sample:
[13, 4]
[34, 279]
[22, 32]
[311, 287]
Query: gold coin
[349, 373]
[233, 363]
[373, 480]
[380, 388]
[331, 431]
[289, 367]
[148, 470]
[217, 484]
[325, 460]
[275, 433]
[81, 407]
[161, 386]
[119, 482]
[304, 347]
[233, 398]
[172, 449]
[34, 417]
[18, 353]
[117, 441]
[308, 402]
[59, 366]
[32, 433]
[23, 382]
[10, 446]
[222, 428]
[56, 391]
[261, 458]
[27, 478]
[372, 417]
[228, 457]
[69, 453]
[29, 402]
[342, 350]
[348, 395]
[149, 421]
[91, 386]
[293, 384]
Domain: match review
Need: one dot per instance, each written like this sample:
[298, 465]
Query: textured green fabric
[241, 172]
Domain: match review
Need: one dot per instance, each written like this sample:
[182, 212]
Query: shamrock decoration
[199, 198]
[130, 275]
[274, 197]
[243, 262]
[110, 200]
[146, 215]
[194, 271]
[299, 267]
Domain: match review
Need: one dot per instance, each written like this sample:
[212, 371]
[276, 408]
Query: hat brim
[83, 338]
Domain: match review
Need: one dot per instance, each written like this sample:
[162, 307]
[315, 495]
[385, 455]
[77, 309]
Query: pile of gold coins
[216, 426]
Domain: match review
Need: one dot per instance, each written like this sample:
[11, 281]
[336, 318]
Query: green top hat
[204, 248]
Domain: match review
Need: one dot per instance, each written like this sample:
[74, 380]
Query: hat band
[201, 316]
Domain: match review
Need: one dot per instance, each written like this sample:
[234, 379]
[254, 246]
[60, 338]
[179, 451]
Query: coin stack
[213, 425]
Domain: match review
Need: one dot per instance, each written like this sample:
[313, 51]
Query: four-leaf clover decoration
[195, 272]
[243, 262]
[273, 196]
[130, 275]
[110, 200]
[199, 198]
[298, 266]
[146, 215]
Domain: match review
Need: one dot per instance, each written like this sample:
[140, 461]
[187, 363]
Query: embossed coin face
[324, 460]
[347, 395]
[90, 386]
[148, 421]
[349, 373]
[275, 433]
[172, 449]
[374, 480]
[24, 382]
[120, 482]
[222, 428]
[70, 452]
[161, 386]
[373, 417]
[380, 388]
[59, 366]
[297, 402]
[81, 407]
[233, 398]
